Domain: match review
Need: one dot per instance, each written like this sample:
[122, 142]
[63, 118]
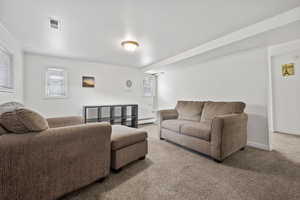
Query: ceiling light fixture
[130, 45]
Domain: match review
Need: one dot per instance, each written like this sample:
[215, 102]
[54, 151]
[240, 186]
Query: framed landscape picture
[88, 81]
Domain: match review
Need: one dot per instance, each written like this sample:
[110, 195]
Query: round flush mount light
[130, 45]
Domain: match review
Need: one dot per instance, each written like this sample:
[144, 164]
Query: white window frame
[8, 89]
[65, 83]
[151, 81]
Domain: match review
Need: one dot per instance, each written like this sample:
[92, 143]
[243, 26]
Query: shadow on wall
[257, 124]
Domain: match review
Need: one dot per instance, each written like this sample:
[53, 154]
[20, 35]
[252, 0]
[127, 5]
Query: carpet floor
[173, 173]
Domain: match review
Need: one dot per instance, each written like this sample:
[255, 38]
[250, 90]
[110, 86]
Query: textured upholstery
[128, 154]
[172, 124]
[193, 143]
[49, 164]
[213, 109]
[189, 110]
[168, 114]
[2, 131]
[127, 145]
[23, 120]
[64, 121]
[229, 133]
[221, 131]
[123, 136]
[196, 129]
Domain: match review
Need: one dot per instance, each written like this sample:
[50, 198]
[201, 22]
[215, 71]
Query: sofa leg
[142, 158]
[116, 170]
[218, 161]
[242, 149]
[162, 138]
[100, 180]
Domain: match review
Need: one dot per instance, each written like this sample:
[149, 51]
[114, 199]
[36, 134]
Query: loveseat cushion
[189, 110]
[172, 124]
[23, 120]
[196, 129]
[212, 109]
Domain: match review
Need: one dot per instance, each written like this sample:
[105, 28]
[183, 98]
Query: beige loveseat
[216, 129]
[48, 164]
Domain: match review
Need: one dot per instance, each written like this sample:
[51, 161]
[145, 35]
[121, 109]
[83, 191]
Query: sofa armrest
[168, 114]
[165, 115]
[228, 134]
[64, 121]
[53, 160]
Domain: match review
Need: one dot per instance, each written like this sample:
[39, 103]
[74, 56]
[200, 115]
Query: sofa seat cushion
[123, 136]
[189, 110]
[172, 124]
[213, 109]
[200, 130]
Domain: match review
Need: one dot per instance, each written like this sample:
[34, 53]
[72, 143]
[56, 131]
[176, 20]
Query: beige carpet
[173, 173]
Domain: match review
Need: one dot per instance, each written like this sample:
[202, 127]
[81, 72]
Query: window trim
[11, 57]
[65, 81]
[150, 78]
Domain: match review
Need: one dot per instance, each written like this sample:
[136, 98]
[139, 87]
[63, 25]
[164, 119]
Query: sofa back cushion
[22, 120]
[212, 109]
[189, 110]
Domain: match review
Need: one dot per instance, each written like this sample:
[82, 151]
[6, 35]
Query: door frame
[273, 51]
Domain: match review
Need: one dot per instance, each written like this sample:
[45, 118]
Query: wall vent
[54, 23]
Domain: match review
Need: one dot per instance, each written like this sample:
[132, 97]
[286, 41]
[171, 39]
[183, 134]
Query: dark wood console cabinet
[126, 114]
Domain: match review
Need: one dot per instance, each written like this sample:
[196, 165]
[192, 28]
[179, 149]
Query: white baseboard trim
[258, 145]
[146, 121]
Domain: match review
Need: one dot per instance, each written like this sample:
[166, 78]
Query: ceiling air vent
[54, 23]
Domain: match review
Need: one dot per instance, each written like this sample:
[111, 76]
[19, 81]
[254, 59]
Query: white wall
[286, 96]
[110, 86]
[238, 77]
[12, 46]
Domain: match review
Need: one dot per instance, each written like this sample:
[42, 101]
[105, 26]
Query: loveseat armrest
[64, 121]
[228, 134]
[48, 164]
[168, 114]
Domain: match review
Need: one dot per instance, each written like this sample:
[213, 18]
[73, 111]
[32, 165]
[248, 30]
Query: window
[56, 83]
[6, 71]
[149, 86]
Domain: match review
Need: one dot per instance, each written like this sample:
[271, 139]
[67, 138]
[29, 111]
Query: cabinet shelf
[115, 114]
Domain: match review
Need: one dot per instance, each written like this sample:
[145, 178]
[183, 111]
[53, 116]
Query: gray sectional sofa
[216, 129]
[42, 159]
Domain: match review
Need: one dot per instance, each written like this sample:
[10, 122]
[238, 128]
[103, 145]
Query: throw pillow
[23, 120]
[10, 106]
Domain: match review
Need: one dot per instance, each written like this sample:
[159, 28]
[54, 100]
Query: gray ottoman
[127, 145]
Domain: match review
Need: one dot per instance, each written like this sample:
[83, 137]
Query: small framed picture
[288, 69]
[88, 81]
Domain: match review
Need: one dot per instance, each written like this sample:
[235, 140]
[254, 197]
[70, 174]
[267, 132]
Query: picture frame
[288, 69]
[88, 82]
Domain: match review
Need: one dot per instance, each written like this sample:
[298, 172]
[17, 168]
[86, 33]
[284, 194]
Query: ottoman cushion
[123, 136]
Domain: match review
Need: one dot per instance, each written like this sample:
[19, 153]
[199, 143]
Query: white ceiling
[94, 29]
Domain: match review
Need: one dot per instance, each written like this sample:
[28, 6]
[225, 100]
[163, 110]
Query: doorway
[285, 80]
